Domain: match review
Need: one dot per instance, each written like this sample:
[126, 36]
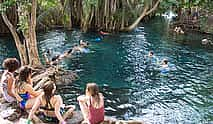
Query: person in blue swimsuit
[25, 88]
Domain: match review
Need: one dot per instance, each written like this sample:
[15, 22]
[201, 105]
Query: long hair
[93, 89]
[24, 73]
[48, 91]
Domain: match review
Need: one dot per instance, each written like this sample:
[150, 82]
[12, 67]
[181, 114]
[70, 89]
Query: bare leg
[69, 113]
[30, 103]
[84, 110]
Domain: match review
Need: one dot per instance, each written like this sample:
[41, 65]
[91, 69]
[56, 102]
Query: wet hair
[48, 91]
[69, 51]
[81, 42]
[93, 89]
[151, 52]
[165, 61]
[55, 57]
[24, 73]
[75, 44]
[11, 64]
[87, 43]
[48, 51]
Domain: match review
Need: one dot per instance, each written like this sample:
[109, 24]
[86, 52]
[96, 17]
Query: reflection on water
[7, 48]
[131, 90]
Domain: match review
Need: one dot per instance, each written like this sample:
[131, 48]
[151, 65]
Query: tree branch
[11, 28]
[137, 21]
[143, 14]
[154, 8]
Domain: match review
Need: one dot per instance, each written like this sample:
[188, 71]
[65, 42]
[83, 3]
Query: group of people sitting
[43, 104]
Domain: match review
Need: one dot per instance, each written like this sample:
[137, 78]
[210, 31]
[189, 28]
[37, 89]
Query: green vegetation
[107, 15]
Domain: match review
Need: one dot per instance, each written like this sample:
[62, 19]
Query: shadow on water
[131, 90]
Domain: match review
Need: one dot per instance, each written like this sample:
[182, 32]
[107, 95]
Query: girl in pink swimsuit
[92, 105]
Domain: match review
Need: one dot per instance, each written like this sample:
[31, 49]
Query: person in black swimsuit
[51, 106]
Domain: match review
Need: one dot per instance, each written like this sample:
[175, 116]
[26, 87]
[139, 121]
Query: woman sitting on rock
[25, 88]
[51, 105]
[8, 80]
[92, 105]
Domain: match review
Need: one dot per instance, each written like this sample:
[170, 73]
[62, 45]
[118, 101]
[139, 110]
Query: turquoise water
[132, 90]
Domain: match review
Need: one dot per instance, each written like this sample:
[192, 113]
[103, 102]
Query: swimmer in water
[82, 47]
[151, 58]
[164, 63]
[151, 54]
[164, 66]
[104, 33]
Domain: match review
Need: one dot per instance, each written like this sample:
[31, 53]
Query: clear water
[131, 90]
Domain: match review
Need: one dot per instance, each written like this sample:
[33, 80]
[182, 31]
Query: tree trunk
[143, 14]
[137, 21]
[27, 49]
[33, 53]
[12, 16]
[20, 47]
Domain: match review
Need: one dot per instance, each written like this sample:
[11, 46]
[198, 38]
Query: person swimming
[81, 48]
[164, 66]
[104, 33]
[164, 63]
[151, 58]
